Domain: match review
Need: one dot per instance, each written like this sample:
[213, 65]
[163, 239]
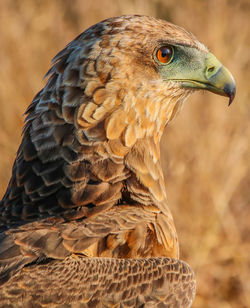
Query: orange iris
[164, 54]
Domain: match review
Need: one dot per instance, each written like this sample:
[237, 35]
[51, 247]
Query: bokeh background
[205, 151]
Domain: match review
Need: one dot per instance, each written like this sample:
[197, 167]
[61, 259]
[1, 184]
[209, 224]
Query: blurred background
[205, 150]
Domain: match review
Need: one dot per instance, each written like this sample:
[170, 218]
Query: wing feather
[104, 283]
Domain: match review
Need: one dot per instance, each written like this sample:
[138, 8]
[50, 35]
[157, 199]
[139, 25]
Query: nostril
[211, 69]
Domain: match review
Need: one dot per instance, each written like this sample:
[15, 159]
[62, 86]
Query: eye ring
[164, 54]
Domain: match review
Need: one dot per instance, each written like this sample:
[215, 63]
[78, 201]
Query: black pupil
[166, 52]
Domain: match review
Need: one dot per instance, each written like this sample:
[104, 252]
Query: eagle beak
[215, 78]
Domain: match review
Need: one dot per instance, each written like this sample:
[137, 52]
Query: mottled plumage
[87, 183]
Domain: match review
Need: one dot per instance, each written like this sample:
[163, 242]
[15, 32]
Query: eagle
[84, 221]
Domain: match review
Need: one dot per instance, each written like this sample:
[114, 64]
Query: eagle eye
[165, 54]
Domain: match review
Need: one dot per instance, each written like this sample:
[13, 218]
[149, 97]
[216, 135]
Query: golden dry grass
[205, 151]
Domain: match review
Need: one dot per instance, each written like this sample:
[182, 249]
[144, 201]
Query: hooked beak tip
[230, 90]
